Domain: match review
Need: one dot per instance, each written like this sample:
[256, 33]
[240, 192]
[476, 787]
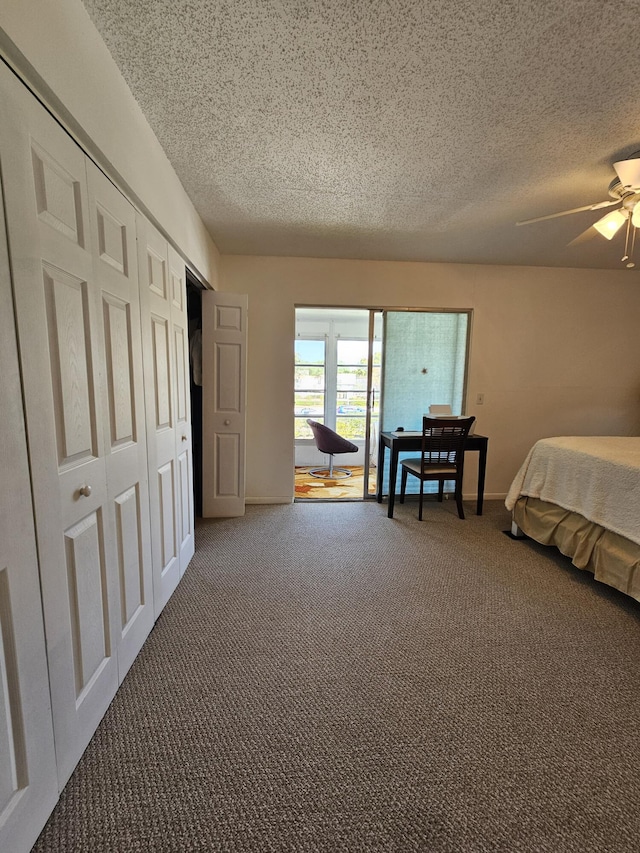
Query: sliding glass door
[360, 371]
[424, 363]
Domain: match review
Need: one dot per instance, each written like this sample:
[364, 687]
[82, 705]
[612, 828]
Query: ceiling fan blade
[609, 224]
[584, 236]
[597, 206]
[629, 173]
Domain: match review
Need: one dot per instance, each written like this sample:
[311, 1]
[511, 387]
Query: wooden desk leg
[482, 469]
[393, 473]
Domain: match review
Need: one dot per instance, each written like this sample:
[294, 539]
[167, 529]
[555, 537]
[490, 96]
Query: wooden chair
[442, 457]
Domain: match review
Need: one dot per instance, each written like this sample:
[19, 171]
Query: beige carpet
[328, 679]
[308, 487]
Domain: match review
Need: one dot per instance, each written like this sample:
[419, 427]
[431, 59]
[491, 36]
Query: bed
[582, 494]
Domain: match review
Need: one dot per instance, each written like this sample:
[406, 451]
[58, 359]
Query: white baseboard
[493, 496]
[273, 500]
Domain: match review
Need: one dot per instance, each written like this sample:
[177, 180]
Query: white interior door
[165, 354]
[28, 779]
[61, 340]
[115, 271]
[184, 450]
[224, 368]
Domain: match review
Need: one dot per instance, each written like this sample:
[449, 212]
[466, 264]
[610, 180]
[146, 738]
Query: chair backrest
[443, 440]
[328, 441]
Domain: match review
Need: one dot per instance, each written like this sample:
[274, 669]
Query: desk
[413, 441]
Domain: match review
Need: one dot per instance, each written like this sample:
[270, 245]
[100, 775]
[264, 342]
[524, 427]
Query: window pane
[353, 352]
[352, 378]
[309, 352]
[351, 428]
[425, 361]
[309, 378]
[309, 404]
[351, 404]
[302, 428]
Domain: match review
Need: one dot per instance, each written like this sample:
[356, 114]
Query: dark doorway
[194, 313]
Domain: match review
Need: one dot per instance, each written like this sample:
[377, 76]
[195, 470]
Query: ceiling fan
[624, 191]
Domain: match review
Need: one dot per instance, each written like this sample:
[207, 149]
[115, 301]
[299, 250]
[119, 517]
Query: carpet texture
[328, 679]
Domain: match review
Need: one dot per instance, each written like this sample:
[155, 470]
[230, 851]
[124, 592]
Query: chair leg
[331, 466]
[459, 499]
[403, 485]
[421, 495]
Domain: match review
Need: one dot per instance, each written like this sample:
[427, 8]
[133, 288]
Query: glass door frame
[467, 311]
[369, 337]
[371, 402]
[465, 376]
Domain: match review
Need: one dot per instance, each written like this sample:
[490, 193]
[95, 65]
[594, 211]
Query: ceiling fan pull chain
[625, 257]
[631, 263]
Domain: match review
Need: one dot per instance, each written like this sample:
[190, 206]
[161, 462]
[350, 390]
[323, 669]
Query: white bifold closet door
[224, 370]
[168, 408]
[112, 224]
[72, 246]
[28, 779]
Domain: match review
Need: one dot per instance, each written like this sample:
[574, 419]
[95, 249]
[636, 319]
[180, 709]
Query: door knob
[85, 491]
[184, 437]
[227, 422]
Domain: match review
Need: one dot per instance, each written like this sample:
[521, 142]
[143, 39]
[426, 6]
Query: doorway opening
[194, 317]
[338, 355]
[363, 371]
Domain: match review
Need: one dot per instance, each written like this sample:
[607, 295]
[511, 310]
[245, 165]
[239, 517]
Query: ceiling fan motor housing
[628, 172]
[628, 196]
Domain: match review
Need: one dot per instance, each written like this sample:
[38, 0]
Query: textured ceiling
[389, 129]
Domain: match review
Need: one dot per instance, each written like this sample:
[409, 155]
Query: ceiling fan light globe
[610, 224]
[635, 216]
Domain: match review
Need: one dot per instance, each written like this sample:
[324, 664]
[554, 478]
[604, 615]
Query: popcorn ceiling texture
[405, 129]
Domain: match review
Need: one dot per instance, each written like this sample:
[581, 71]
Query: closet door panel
[184, 454]
[224, 366]
[59, 324]
[186, 513]
[156, 297]
[87, 579]
[113, 240]
[28, 777]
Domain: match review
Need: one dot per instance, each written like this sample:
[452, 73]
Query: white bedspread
[596, 476]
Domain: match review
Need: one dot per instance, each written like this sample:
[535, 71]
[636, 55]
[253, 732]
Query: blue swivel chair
[328, 441]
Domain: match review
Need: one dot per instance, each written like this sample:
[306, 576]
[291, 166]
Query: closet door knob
[85, 491]
[184, 437]
[226, 423]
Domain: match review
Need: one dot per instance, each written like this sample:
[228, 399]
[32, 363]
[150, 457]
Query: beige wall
[55, 41]
[555, 352]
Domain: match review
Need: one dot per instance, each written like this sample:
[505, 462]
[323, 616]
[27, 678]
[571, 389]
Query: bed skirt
[611, 558]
